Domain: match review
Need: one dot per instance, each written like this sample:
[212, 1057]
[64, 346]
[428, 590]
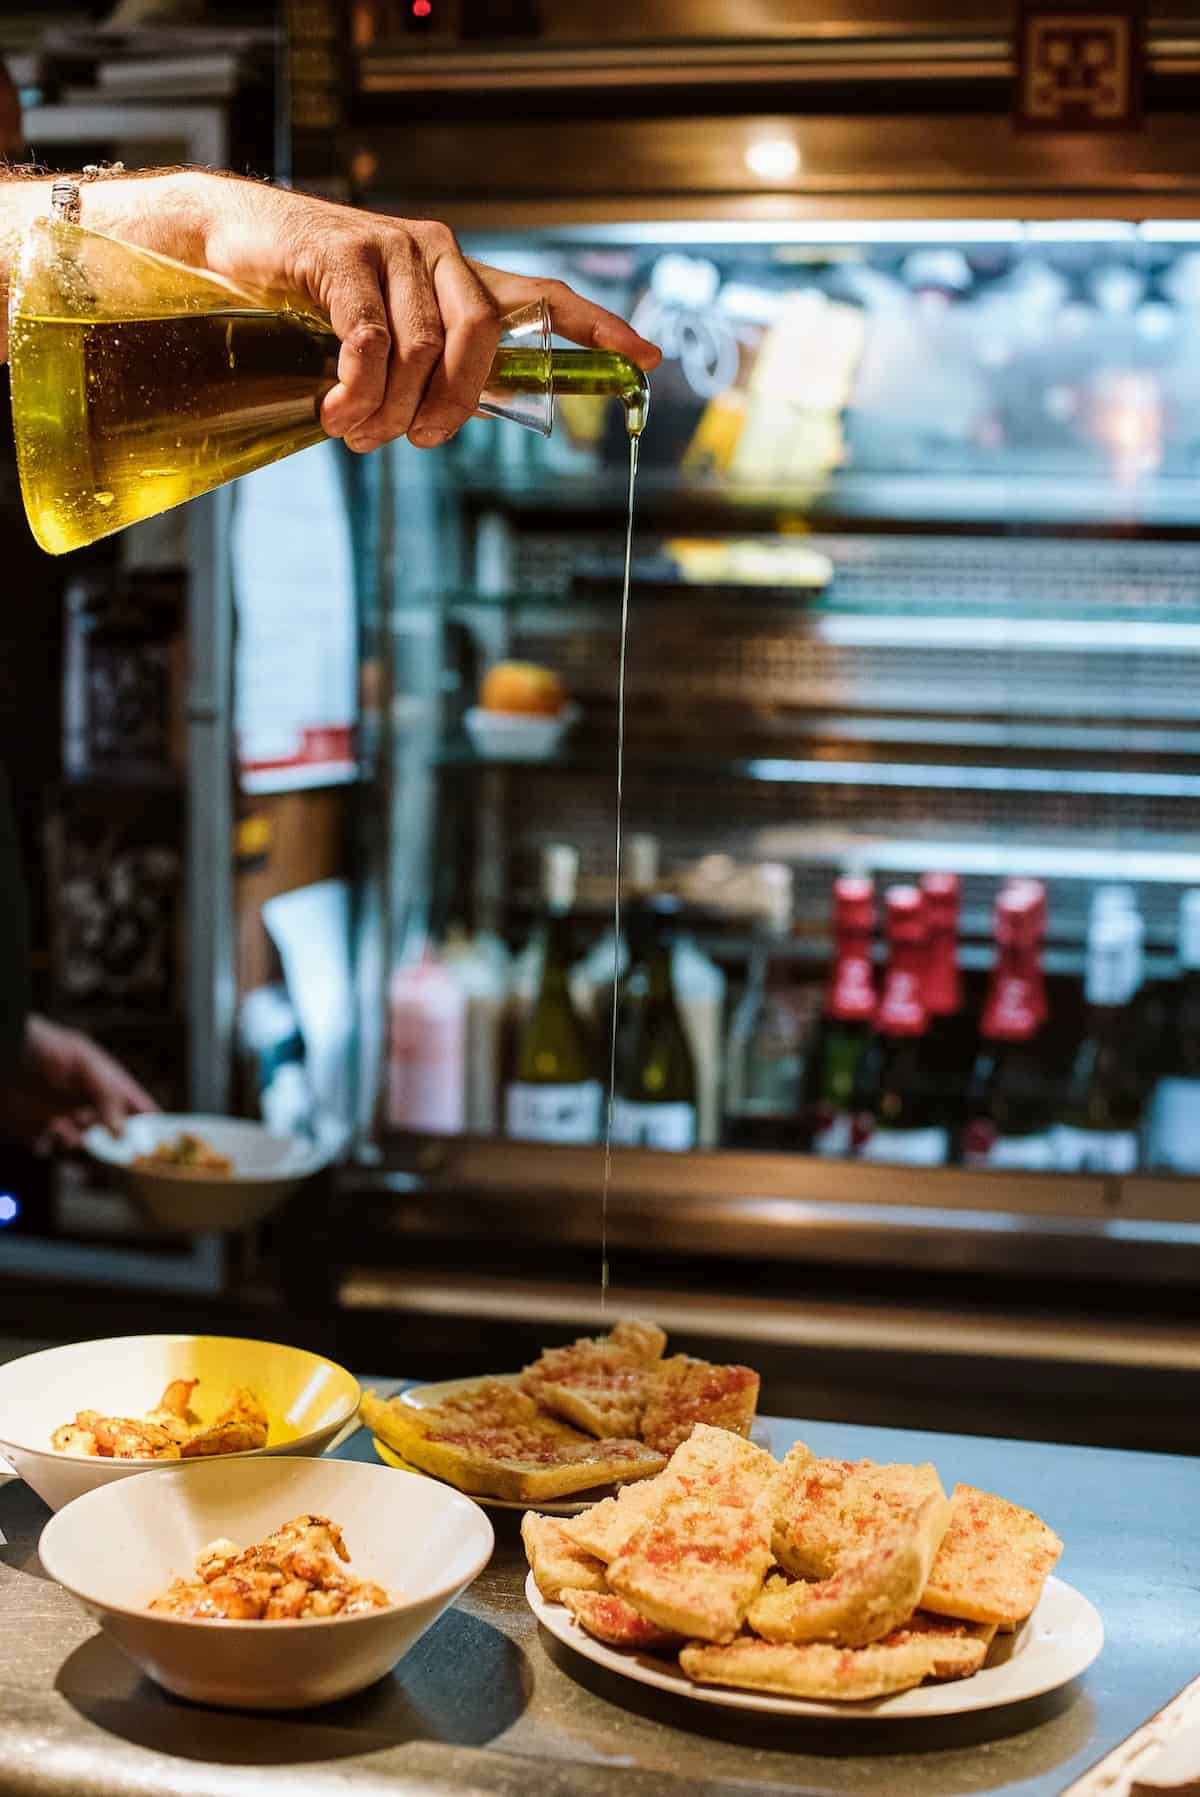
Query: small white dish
[517, 736]
[119, 1547]
[266, 1170]
[1058, 1642]
[308, 1400]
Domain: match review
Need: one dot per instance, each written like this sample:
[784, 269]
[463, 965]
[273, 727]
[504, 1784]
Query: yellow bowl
[307, 1399]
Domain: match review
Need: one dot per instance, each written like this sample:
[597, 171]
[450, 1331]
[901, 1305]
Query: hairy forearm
[169, 210]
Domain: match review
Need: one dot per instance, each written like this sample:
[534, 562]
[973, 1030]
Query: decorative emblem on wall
[1079, 68]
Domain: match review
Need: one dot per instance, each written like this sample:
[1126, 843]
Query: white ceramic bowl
[267, 1169]
[517, 736]
[307, 1399]
[118, 1548]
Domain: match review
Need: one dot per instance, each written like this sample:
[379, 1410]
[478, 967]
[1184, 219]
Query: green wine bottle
[654, 1093]
[555, 1095]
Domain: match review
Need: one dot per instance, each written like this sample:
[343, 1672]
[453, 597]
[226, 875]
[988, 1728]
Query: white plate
[266, 1169]
[421, 1396]
[1060, 1639]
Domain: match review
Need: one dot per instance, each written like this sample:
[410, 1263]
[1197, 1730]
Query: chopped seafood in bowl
[293, 1575]
[171, 1431]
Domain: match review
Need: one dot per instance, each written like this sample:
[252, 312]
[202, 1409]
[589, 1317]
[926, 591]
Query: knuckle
[369, 337]
[421, 345]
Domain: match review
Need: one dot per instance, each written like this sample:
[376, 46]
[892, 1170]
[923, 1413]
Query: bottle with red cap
[1009, 1102]
[898, 1111]
[845, 1027]
[949, 1050]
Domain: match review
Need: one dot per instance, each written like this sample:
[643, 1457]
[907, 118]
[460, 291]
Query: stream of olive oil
[635, 420]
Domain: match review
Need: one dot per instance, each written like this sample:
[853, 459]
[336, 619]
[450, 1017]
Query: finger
[572, 316]
[417, 340]
[359, 315]
[472, 334]
[65, 1132]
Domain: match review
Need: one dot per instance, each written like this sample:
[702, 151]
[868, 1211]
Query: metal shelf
[930, 503]
[786, 771]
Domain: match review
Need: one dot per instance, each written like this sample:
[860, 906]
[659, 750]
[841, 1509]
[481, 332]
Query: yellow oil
[120, 419]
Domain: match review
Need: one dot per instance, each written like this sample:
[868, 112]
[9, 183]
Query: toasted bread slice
[695, 1567]
[630, 1344]
[493, 1402]
[826, 1508]
[875, 1589]
[699, 1558]
[844, 1674]
[555, 1561]
[613, 1620]
[960, 1647]
[993, 1561]
[683, 1392]
[522, 1462]
[609, 1404]
[599, 1382]
[711, 1462]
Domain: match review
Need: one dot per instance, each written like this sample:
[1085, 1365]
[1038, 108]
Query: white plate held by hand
[1060, 1639]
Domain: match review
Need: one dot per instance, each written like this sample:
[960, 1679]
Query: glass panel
[914, 594]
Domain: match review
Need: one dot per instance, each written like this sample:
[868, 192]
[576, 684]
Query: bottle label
[1175, 1125]
[554, 1113]
[1094, 1150]
[831, 1139]
[983, 1147]
[902, 1007]
[852, 989]
[911, 1147]
[671, 1126]
[1012, 1012]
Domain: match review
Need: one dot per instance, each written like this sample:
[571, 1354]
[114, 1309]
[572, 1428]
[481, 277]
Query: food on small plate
[620, 1384]
[821, 1579]
[295, 1574]
[171, 1431]
[186, 1154]
[685, 1392]
[495, 1442]
[603, 1410]
[522, 688]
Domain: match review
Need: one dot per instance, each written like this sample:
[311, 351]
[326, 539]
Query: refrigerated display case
[914, 590]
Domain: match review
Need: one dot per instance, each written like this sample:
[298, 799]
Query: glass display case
[910, 787]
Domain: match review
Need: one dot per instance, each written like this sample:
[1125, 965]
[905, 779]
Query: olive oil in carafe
[119, 420]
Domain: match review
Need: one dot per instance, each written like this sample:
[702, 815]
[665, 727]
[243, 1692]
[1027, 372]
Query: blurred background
[315, 777]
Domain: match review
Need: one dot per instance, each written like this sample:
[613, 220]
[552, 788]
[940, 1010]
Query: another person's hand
[418, 322]
[63, 1084]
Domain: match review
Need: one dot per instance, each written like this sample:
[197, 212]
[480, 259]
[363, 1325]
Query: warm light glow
[773, 158]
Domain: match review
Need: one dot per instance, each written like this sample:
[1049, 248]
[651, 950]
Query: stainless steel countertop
[486, 1703]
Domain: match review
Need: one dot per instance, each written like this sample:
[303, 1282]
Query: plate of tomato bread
[811, 1586]
[579, 1423]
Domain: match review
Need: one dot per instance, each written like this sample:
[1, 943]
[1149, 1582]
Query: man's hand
[62, 1085]
[418, 323]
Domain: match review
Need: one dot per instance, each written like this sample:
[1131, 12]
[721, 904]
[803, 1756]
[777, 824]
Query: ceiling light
[773, 158]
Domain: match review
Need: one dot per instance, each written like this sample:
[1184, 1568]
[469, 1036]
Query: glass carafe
[138, 383]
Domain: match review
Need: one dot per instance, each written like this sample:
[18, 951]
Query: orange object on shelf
[524, 687]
